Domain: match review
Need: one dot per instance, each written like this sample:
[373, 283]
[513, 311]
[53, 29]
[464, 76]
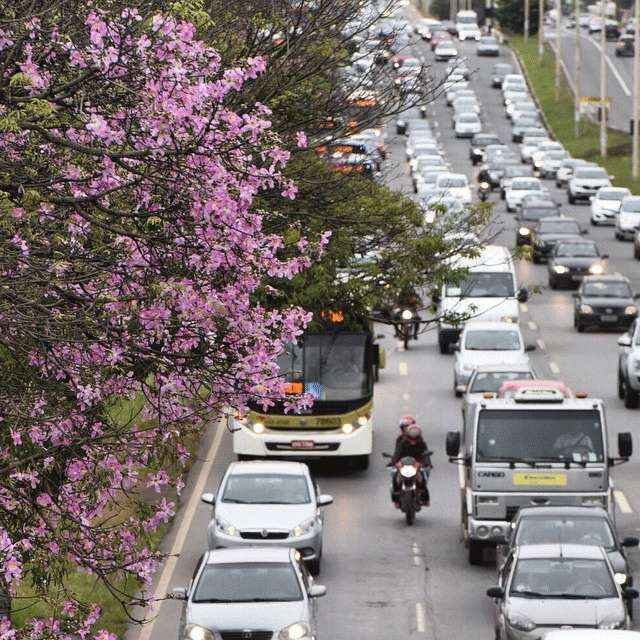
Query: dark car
[570, 525]
[625, 46]
[604, 301]
[611, 30]
[548, 232]
[500, 70]
[493, 171]
[573, 260]
[478, 144]
[532, 210]
[512, 171]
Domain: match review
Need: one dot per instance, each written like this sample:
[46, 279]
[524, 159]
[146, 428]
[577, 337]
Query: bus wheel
[360, 463]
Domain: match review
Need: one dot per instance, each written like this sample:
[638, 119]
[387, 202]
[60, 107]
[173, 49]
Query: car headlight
[508, 319]
[226, 528]
[303, 528]
[596, 269]
[611, 622]
[258, 427]
[521, 622]
[295, 631]
[407, 314]
[196, 632]
[560, 268]
[523, 231]
[586, 309]
[631, 310]
[477, 152]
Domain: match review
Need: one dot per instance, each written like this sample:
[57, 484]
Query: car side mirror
[208, 498]
[453, 443]
[380, 336]
[630, 541]
[624, 340]
[612, 177]
[455, 347]
[325, 500]
[605, 256]
[523, 294]
[625, 444]
[496, 592]
[630, 594]
[317, 591]
[530, 347]
[178, 593]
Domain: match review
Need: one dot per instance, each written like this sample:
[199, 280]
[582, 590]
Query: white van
[466, 18]
[489, 292]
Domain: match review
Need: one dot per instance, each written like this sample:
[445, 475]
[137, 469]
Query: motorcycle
[405, 480]
[405, 323]
[484, 189]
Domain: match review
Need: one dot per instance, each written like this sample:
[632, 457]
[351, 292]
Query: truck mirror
[630, 541]
[625, 444]
[496, 592]
[453, 443]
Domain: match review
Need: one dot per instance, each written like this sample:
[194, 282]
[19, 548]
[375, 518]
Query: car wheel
[579, 326]
[503, 195]
[631, 396]
[594, 223]
[360, 463]
[444, 345]
[314, 566]
[636, 252]
[558, 185]
[552, 284]
[476, 553]
[620, 385]
[458, 394]
[572, 200]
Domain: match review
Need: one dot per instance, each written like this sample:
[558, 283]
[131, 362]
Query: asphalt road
[386, 580]
[619, 73]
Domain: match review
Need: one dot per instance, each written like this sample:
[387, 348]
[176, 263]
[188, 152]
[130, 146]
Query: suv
[604, 301]
[629, 366]
[585, 182]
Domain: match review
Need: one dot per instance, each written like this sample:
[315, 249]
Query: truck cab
[532, 448]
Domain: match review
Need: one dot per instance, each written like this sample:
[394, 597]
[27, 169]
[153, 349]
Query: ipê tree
[131, 261]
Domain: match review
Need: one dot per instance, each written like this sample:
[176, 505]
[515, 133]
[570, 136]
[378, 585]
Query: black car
[493, 171]
[625, 46]
[500, 70]
[478, 144]
[604, 301]
[533, 209]
[611, 30]
[573, 260]
[548, 232]
[512, 171]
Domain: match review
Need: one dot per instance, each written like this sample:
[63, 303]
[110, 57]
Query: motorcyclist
[409, 299]
[412, 444]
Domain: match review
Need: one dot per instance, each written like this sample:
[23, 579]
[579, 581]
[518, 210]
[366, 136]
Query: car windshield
[491, 381]
[492, 340]
[266, 488]
[452, 182]
[563, 578]
[569, 227]
[611, 194]
[483, 285]
[547, 435]
[631, 206]
[429, 161]
[468, 117]
[577, 250]
[248, 582]
[604, 289]
[565, 530]
[537, 213]
[555, 155]
[488, 40]
[518, 172]
[591, 174]
[502, 69]
[528, 185]
[484, 140]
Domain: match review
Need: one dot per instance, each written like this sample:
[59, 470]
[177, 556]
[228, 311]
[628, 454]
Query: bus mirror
[625, 444]
[453, 443]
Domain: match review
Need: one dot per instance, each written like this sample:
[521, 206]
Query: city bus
[338, 366]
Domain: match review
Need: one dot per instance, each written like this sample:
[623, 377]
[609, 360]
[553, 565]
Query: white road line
[416, 561]
[185, 527]
[541, 345]
[614, 70]
[406, 396]
[622, 502]
[415, 548]
[403, 368]
[421, 618]
[524, 308]
[533, 326]
[554, 368]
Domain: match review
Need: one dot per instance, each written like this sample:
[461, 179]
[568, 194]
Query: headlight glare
[586, 309]
[226, 528]
[524, 231]
[258, 427]
[363, 421]
[303, 528]
[347, 428]
[477, 152]
[521, 622]
[196, 632]
[560, 268]
[407, 314]
[296, 631]
[596, 269]
[631, 310]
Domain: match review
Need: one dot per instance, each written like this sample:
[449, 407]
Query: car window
[611, 194]
[485, 381]
[266, 488]
[577, 250]
[492, 340]
[565, 530]
[591, 174]
[606, 289]
[483, 285]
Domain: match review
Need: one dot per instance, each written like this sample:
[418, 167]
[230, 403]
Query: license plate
[576, 278]
[609, 318]
[302, 444]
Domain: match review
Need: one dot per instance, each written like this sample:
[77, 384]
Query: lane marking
[541, 345]
[416, 561]
[533, 326]
[406, 396]
[524, 308]
[614, 70]
[421, 618]
[185, 528]
[622, 502]
[415, 549]
[554, 368]
[403, 368]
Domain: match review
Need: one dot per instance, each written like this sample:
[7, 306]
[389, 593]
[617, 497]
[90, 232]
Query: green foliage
[440, 9]
[510, 15]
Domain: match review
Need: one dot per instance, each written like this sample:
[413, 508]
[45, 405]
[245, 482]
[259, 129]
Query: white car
[550, 162]
[544, 147]
[469, 32]
[421, 152]
[467, 125]
[445, 51]
[415, 140]
[519, 188]
[454, 89]
[455, 185]
[628, 218]
[485, 343]
[529, 146]
[606, 204]
[585, 182]
[466, 104]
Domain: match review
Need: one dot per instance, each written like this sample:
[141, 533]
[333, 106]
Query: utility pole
[452, 9]
[603, 82]
[558, 46]
[541, 30]
[635, 158]
[526, 20]
[577, 58]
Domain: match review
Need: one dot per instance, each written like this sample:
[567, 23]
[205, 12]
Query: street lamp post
[635, 158]
[526, 20]
[577, 58]
[541, 30]
[558, 46]
[603, 82]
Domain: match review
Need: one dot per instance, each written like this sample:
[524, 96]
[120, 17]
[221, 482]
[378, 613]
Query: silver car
[249, 594]
[268, 504]
[544, 587]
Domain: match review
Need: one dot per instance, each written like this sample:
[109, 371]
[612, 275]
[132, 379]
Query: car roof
[249, 554]
[500, 368]
[565, 511]
[557, 551]
[268, 466]
[488, 325]
[577, 241]
[558, 219]
[607, 277]
[591, 634]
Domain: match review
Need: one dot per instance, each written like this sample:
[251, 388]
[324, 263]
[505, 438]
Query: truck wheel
[476, 553]
[620, 386]
[631, 396]
[579, 326]
[361, 463]
[572, 200]
[444, 345]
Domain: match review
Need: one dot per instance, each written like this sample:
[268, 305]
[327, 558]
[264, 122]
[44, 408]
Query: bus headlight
[258, 427]
[348, 428]
[363, 421]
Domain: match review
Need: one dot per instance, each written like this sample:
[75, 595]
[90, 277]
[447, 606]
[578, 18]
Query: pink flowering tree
[131, 259]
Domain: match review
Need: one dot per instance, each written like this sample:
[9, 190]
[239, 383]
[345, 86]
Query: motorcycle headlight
[226, 528]
[477, 152]
[586, 309]
[596, 269]
[196, 632]
[303, 528]
[295, 631]
[407, 471]
[407, 314]
[521, 622]
[631, 310]
[523, 231]
[484, 185]
[611, 622]
[560, 268]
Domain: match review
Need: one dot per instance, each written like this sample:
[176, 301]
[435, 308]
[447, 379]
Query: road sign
[594, 101]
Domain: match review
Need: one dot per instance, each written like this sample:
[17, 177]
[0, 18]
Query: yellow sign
[595, 100]
[537, 479]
